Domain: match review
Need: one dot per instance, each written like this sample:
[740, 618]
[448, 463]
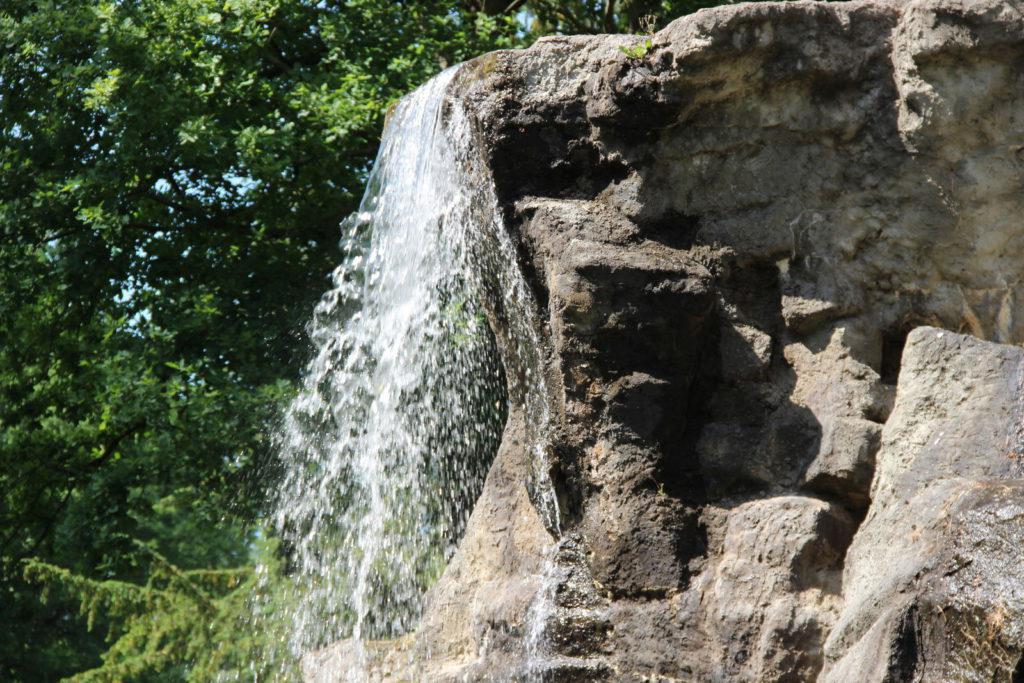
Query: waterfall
[386, 446]
[541, 611]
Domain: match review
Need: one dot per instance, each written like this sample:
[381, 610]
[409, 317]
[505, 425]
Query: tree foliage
[608, 16]
[172, 177]
[192, 625]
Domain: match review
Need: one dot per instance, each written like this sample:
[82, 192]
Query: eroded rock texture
[762, 476]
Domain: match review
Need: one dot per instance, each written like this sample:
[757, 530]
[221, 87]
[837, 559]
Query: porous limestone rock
[930, 588]
[729, 240]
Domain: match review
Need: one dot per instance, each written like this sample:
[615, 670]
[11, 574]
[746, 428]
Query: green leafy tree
[193, 625]
[172, 176]
[607, 16]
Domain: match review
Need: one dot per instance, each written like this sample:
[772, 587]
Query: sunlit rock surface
[761, 476]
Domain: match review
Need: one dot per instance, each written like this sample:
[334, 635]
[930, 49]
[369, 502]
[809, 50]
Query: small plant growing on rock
[640, 50]
[636, 52]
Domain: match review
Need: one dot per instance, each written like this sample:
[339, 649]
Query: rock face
[779, 262]
[930, 588]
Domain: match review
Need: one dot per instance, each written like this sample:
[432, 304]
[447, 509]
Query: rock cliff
[778, 262]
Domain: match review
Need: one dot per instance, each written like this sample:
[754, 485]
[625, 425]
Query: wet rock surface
[779, 264]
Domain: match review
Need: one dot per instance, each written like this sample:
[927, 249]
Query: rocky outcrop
[931, 587]
[765, 256]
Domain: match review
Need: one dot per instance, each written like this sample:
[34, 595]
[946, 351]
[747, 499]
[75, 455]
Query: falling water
[542, 609]
[403, 402]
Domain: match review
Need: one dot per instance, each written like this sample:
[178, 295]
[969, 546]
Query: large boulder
[932, 585]
[728, 241]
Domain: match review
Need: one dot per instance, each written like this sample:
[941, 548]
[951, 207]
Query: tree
[193, 625]
[607, 16]
[172, 177]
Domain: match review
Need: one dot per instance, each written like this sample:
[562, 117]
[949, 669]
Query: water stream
[387, 444]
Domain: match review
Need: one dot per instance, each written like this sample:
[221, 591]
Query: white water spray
[542, 610]
[401, 410]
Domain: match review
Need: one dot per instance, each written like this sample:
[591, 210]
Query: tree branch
[609, 16]
[70, 483]
[108, 448]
